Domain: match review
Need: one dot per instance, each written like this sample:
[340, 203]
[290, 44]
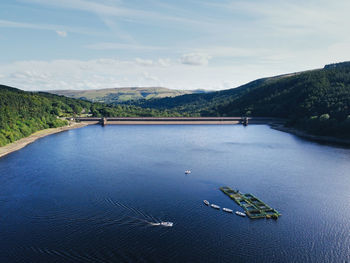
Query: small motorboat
[227, 210]
[215, 206]
[187, 171]
[206, 202]
[166, 224]
[240, 213]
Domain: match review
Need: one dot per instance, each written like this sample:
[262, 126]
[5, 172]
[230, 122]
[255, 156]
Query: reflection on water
[99, 194]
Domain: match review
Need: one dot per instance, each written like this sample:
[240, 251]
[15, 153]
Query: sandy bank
[324, 139]
[17, 145]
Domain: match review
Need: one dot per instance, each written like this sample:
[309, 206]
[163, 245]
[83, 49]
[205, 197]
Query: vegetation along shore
[314, 103]
[21, 143]
[23, 113]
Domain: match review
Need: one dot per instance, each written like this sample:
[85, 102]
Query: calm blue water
[87, 195]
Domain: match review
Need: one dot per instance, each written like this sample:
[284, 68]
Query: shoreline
[300, 133]
[17, 145]
[21, 143]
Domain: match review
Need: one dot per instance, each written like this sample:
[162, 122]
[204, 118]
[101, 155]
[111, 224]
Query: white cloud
[120, 46]
[144, 62]
[161, 62]
[195, 59]
[61, 33]
[115, 9]
[50, 27]
[288, 19]
[79, 74]
[109, 73]
[164, 62]
[147, 77]
[231, 42]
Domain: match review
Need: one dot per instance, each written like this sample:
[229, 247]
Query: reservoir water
[89, 195]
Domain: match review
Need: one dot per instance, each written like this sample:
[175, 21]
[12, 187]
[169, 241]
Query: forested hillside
[204, 104]
[317, 101]
[22, 113]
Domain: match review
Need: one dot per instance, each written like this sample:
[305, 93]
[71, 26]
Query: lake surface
[88, 195]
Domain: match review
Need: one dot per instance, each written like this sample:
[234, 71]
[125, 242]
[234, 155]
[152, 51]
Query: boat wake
[108, 220]
[139, 217]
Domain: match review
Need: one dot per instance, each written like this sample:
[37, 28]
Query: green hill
[23, 113]
[119, 95]
[205, 104]
[317, 100]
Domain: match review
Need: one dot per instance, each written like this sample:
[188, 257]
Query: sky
[178, 44]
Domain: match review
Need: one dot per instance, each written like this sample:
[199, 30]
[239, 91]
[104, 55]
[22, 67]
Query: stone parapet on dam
[180, 120]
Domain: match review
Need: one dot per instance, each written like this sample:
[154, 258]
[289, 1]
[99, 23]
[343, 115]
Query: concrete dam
[179, 120]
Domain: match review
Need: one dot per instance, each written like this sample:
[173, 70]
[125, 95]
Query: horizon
[187, 45]
[162, 87]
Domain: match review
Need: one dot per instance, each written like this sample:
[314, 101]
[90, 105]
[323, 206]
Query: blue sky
[91, 44]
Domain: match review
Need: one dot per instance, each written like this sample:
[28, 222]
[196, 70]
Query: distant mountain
[121, 95]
